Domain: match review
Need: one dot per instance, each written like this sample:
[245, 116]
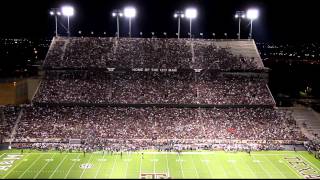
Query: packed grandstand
[151, 93]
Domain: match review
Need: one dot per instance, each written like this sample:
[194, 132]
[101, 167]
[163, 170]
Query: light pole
[68, 11]
[55, 12]
[117, 13]
[130, 12]
[191, 13]
[252, 14]
[214, 35]
[179, 15]
[239, 15]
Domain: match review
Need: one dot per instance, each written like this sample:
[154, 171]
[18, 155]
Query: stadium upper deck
[133, 53]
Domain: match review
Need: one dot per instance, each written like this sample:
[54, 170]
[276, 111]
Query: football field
[192, 164]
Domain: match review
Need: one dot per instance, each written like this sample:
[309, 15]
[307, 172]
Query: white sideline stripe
[43, 167]
[71, 167]
[99, 167]
[30, 166]
[58, 166]
[85, 168]
[13, 168]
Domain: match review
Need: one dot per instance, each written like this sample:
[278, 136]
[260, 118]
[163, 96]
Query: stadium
[135, 107]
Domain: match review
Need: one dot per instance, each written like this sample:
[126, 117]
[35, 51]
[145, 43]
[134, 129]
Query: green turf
[205, 164]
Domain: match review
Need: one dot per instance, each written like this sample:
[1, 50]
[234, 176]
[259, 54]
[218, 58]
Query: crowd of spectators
[155, 88]
[8, 117]
[91, 52]
[96, 124]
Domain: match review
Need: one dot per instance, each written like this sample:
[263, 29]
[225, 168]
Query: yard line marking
[2, 155]
[140, 166]
[86, 168]
[58, 166]
[30, 166]
[194, 167]
[310, 163]
[13, 168]
[254, 174]
[235, 167]
[127, 168]
[167, 165]
[114, 163]
[224, 170]
[264, 170]
[154, 165]
[71, 167]
[275, 167]
[99, 167]
[211, 176]
[181, 166]
[43, 167]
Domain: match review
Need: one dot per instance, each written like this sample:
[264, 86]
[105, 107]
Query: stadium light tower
[130, 12]
[68, 11]
[117, 13]
[191, 13]
[239, 15]
[252, 14]
[55, 12]
[179, 15]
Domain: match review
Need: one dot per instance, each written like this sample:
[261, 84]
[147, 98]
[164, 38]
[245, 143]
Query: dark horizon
[278, 21]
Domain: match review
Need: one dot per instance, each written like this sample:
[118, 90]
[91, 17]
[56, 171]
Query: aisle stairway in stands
[308, 120]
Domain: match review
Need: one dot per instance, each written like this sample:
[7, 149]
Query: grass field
[204, 164]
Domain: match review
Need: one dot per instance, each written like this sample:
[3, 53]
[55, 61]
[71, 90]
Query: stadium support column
[178, 27]
[129, 26]
[190, 27]
[250, 35]
[239, 28]
[118, 27]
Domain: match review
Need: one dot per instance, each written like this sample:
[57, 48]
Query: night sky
[281, 20]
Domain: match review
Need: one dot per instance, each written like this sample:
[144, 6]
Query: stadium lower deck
[153, 164]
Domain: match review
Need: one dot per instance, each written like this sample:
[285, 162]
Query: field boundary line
[58, 166]
[85, 168]
[18, 164]
[71, 168]
[99, 167]
[30, 166]
[34, 177]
